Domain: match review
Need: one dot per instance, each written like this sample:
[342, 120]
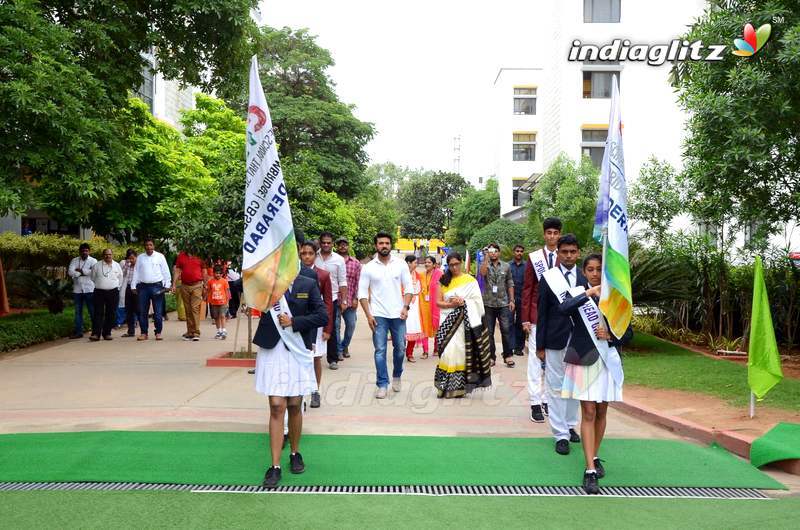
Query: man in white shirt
[80, 270]
[332, 262]
[107, 278]
[151, 278]
[380, 288]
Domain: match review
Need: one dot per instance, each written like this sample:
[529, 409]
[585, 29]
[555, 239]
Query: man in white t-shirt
[380, 292]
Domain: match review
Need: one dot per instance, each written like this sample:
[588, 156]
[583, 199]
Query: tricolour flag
[611, 226]
[763, 359]
[270, 262]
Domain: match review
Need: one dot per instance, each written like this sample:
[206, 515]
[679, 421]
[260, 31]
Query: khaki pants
[192, 295]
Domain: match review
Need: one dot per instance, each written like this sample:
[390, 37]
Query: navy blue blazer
[553, 327]
[308, 314]
[581, 349]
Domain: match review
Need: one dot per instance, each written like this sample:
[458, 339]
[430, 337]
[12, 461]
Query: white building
[573, 97]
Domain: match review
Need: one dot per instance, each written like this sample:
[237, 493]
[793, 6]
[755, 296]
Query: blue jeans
[379, 341]
[147, 293]
[80, 300]
[120, 314]
[350, 316]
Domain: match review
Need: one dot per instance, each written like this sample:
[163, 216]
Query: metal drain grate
[495, 491]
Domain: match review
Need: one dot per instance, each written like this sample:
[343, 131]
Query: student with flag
[291, 304]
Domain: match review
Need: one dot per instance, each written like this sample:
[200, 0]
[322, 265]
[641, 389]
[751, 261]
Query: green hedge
[26, 329]
[49, 250]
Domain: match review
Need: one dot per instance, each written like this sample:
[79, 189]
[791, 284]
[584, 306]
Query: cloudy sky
[421, 71]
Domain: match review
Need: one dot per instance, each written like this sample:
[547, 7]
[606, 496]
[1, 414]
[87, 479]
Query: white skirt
[279, 373]
[320, 346]
[590, 383]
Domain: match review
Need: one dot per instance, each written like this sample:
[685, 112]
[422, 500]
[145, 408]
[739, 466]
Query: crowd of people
[536, 299]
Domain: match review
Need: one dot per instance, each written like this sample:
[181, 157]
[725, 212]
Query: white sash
[539, 262]
[592, 318]
[292, 339]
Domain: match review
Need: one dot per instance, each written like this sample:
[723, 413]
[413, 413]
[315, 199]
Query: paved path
[77, 385]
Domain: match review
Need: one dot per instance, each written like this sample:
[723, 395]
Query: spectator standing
[235, 283]
[380, 292]
[150, 279]
[517, 266]
[127, 295]
[107, 278]
[334, 264]
[219, 294]
[350, 314]
[80, 270]
[190, 272]
[498, 301]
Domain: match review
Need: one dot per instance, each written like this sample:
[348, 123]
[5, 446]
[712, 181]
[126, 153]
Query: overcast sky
[421, 71]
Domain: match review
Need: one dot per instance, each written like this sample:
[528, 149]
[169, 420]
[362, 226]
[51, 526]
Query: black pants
[503, 314]
[105, 311]
[131, 310]
[236, 293]
[519, 334]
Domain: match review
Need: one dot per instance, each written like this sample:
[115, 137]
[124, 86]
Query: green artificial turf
[241, 458]
[652, 362]
[782, 442]
[95, 509]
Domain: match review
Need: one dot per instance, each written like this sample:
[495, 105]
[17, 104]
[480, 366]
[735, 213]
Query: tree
[389, 177]
[66, 69]
[474, 210]
[503, 232]
[375, 212]
[741, 150]
[655, 197]
[309, 120]
[426, 203]
[569, 191]
[165, 177]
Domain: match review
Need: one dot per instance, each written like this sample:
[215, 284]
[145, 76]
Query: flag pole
[752, 405]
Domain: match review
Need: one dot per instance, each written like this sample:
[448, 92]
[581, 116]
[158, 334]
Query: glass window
[601, 10]
[598, 84]
[593, 144]
[594, 135]
[524, 147]
[525, 100]
[146, 90]
[519, 197]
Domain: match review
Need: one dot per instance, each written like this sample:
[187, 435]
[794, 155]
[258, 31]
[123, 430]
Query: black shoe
[296, 461]
[562, 447]
[315, 400]
[518, 353]
[76, 336]
[545, 409]
[590, 483]
[271, 478]
[536, 414]
[285, 441]
[573, 437]
[108, 337]
[598, 466]
[94, 338]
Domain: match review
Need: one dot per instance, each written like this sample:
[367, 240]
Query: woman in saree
[413, 322]
[428, 308]
[462, 339]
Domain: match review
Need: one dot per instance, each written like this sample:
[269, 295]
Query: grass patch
[96, 509]
[652, 362]
[26, 329]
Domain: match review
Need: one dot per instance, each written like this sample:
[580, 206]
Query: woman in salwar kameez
[428, 309]
[462, 339]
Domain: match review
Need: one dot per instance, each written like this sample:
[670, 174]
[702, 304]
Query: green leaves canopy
[426, 202]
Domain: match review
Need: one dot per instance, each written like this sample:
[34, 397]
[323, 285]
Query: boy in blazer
[553, 329]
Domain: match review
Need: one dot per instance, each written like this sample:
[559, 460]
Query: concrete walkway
[77, 385]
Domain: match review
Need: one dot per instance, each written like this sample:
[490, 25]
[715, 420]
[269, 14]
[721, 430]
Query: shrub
[26, 329]
[37, 251]
[503, 232]
[35, 289]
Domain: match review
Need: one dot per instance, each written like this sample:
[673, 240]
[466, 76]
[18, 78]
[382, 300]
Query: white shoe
[396, 384]
[380, 393]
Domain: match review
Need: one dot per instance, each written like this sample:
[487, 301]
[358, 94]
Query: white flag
[270, 261]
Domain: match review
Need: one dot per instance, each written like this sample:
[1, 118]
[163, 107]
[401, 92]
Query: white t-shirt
[384, 286]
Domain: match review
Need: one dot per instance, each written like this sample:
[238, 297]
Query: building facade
[573, 97]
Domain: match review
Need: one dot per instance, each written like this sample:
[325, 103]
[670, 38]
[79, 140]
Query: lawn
[96, 509]
[655, 363]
